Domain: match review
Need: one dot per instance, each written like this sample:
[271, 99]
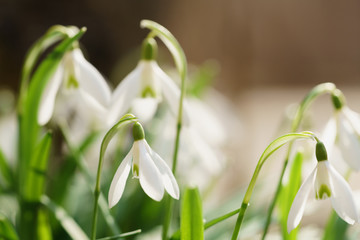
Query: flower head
[343, 130]
[325, 182]
[75, 73]
[146, 165]
[144, 88]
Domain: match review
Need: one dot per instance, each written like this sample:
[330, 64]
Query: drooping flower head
[75, 73]
[324, 182]
[144, 88]
[147, 166]
[343, 131]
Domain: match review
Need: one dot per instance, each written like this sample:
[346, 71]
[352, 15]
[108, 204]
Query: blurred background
[257, 43]
[268, 54]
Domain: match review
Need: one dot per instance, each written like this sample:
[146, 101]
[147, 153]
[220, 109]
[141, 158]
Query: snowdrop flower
[144, 88]
[75, 73]
[325, 182]
[343, 131]
[146, 165]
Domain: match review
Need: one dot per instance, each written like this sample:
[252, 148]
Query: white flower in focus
[343, 131]
[75, 73]
[144, 88]
[146, 165]
[325, 182]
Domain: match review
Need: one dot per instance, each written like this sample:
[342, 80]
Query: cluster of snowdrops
[62, 92]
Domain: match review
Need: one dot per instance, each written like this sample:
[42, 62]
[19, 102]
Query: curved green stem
[181, 64]
[273, 146]
[304, 105]
[128, 118]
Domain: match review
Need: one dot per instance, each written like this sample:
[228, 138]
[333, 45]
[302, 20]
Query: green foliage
[191, 225]
[288, 193]
[7, 231]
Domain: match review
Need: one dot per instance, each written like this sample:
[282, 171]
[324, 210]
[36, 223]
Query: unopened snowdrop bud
[149, 49]
[338, 99]
[320, 152]
[138, 132]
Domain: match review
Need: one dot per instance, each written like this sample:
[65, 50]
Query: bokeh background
[257, 43]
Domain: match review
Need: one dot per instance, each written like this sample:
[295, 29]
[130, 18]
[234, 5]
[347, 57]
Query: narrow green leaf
[53, 35]
[29, 128]
[6, 172]
[191, 225]
[171, 43]
[335, 228]
[35, 183]
[7, 231]
[68, 223]
[123, 235]
[288, 194]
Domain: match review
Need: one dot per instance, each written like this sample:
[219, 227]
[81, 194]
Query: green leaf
[35, 183]
[171, 43]
[7, 231]
[29, 128]
[191, 225]
[6, 172]
[288, 194]
[68, 223]
[335, 228]
[53, 35]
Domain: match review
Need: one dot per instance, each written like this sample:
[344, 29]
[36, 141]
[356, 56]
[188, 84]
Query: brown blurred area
[257, 43]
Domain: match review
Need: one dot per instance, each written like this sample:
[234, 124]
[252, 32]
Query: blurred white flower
[343, 132]
[325, 182]
[75, 73]
[146, 165]
[144, 88]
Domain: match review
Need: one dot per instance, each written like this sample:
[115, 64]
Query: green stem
[104, 144]
[272, 205]
[181, 64]
[273, 146]
[304, 105]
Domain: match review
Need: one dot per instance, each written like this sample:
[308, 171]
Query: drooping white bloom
[324, 182]
[75, 73]
[144, 88]
[151, 170]
[343, 131]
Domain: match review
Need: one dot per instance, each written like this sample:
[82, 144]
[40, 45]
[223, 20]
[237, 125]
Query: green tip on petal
[72, 82]
[338, 99]
[324, 190]
[321, 154]
[138, 132]
[149, 49]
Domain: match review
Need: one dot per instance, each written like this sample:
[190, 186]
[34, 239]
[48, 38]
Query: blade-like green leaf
[191, 225]
[288, 194]
[171, 43]
[7, 231]
[29, 128]
[5, 170]
[53, 35]
[35, 184]
[68, 223]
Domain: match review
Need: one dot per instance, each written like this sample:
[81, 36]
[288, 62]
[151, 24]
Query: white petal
[171, 93]
[144, 108]
[168, 178]
[298, 206]
[46, 107]
[342, 199]
[124, 94]
[353, 118]
[349, 143]
[329, 134]
[149, 175]
[90, 80]
[118, 183]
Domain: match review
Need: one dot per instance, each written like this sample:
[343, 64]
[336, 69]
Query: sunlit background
[266, 55]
